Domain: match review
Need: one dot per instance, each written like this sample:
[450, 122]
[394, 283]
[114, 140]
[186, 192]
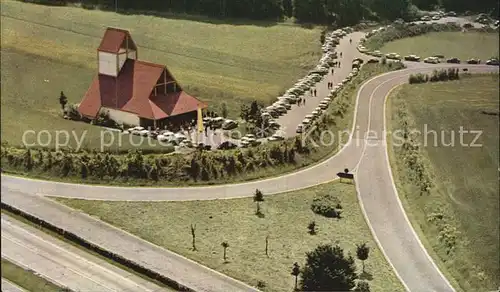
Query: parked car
[497, 23]
[217, 122]
[474, 61]
[451, 13]
[453, 61]
[425, 18]
[300, 129]
[377, 53]
[276, 137]
[413, 58]
[431, 60]
[436, 17]
[493, 62]
[372, 61]
[227, 145]
[393, 56]
[229, 124]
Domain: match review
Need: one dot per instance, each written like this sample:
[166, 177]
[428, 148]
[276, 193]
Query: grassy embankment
[48, 49]
[285, 221]
[460, 45]
[458, 220]
[26, 279]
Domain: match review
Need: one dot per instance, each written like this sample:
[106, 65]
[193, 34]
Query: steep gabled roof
[132, 91]
[113, 39]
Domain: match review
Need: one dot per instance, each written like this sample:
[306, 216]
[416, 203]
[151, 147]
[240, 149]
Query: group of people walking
[313, 92]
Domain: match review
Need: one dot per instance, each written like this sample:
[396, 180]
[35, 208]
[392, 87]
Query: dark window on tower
[171, 88]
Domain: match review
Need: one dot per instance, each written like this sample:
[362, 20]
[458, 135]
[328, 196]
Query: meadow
[460, 45]
[26, 279]
[47, 49]
[458, 220]
[284, 220]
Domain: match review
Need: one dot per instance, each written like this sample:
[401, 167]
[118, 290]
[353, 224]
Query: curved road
[367, 156]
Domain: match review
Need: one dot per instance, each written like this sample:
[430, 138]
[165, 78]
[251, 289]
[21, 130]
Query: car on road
[425, 18]
[377, 53]
[493, 62]
[453, 61]
[474, 61]
[436, 17]
[413, 58]
[316, 113]
[393, 56]
[431, 60]
[323, 105]
[300, 129]
[227, 145]
[451, 13]
[372, 61]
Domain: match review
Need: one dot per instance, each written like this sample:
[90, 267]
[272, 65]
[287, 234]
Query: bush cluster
[327, 205]
[436, 76]
[448, 234]
[411, 155]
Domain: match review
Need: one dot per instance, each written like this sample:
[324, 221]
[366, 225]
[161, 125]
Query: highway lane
[8, 286]
[64, 264]
[171, 265]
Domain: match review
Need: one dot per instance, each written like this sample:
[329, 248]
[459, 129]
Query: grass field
[26, 279]
[285, 221]
[216, 62]
[465, 192]
[450, 44]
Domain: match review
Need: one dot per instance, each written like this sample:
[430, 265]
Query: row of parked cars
[165, 136]
[310, 119]
[292, 95]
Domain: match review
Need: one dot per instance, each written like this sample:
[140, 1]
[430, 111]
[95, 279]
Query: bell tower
[116, 47]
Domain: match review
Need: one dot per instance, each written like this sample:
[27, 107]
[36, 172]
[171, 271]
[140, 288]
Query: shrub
[327, 205]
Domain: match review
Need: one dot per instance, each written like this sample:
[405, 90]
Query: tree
[362, 286]
[225, 245]
[63, 100]
[312, 227]
[327, 269]
[193, 235]
[258, 197]
[296, 273]
[362, 252]
[28, 160]
[223, 110]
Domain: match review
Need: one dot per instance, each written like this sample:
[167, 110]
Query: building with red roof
[135, 92]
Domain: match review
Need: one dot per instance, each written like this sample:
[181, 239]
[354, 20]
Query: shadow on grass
[366, 276]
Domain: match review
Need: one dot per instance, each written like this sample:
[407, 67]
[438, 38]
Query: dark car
[453, 60]
[227, 146]
[412, 58]
[493, 62]
[372, 60]
[473, 61]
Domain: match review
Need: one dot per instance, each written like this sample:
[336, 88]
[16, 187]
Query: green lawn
[286, 218]
[47, 49]
[26, 279]
[465, 192]
[450, 44]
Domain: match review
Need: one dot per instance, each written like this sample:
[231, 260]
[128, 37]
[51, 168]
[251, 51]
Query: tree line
[340, 12]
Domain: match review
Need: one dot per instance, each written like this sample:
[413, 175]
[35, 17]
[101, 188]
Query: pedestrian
[350, 41]
[311, 91]
[314, 92]
[341, 54]
[298, 101]
[304, 102]
[339, 64]
[332, 69]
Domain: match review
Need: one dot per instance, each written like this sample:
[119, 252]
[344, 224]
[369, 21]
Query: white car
[323, 106]
[316, 113]
[276, 137]
[309, 117]
[327, 99]
[431, 60]
[306, 121]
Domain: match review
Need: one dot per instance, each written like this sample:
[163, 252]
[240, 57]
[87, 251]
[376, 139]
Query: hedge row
[436, 76]
[411, 155]
[95, 248]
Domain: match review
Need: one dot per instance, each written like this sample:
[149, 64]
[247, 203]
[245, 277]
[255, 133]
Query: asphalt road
[8, 286]
[64, 264]
[367, 157]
